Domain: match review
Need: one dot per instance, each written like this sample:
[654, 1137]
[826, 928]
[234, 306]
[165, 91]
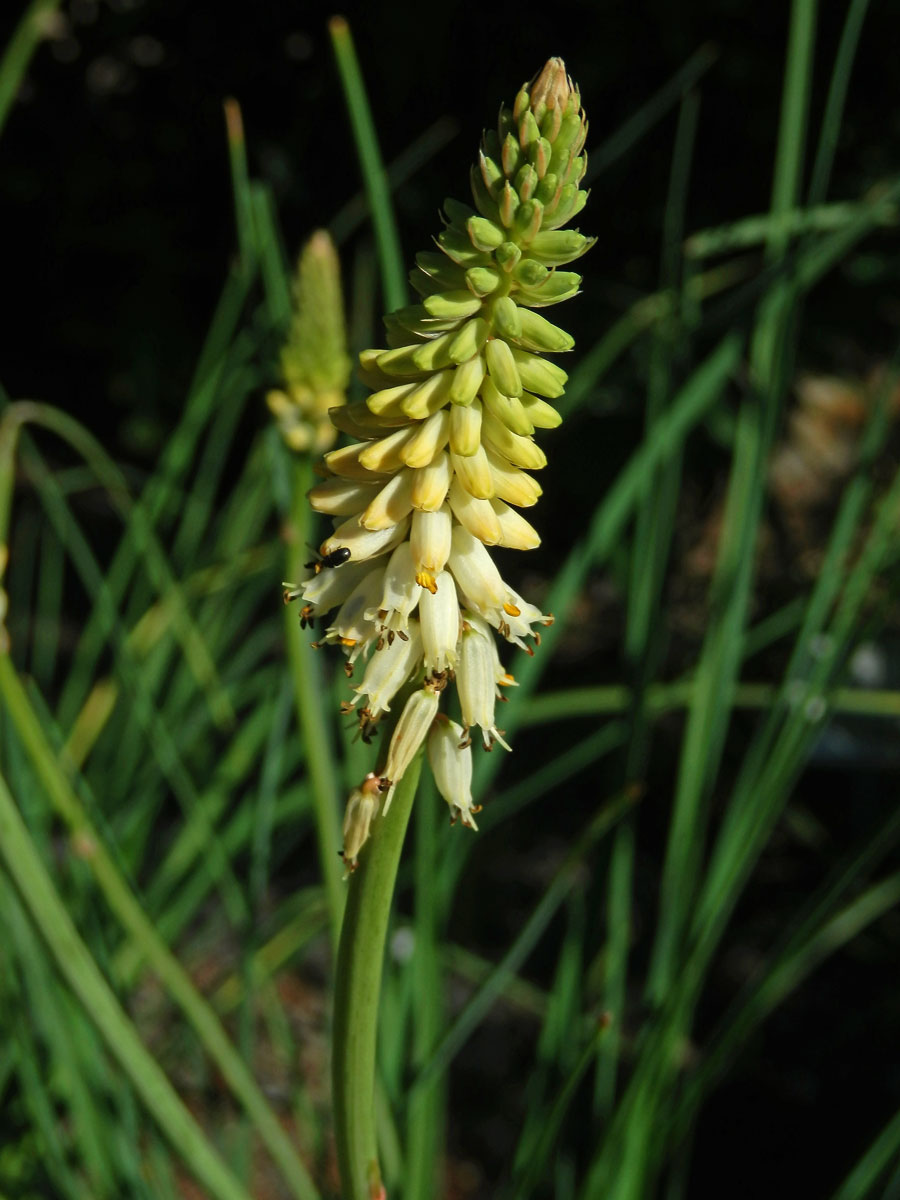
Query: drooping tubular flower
[443, 452]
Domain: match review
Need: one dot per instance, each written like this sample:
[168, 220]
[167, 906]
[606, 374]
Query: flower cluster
[315, 366]
[442, 454]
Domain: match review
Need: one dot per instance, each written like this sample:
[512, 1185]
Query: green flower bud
[529, 131]
[469, 340]
[550, 124]
[399, 362]
[521, 103]
[439, 268]
[537, 375]
[571, 135]
[507, 317]
[484, 200]
[541, 414]
[526, 182]
[483, 234]
[491, 174]
[510, 156]
[507, 204]
[434, 355]
[456, 245]
[541, 154]
[529, 273]
[508, 409]
[548, 189]
[571, 201]
[540, 334]
[423, 284]
[467, 380]
[508, 255]
[555, 247]
[452, 305]
[482, 280]
[558, 286]
[528, 220]
[502, 367]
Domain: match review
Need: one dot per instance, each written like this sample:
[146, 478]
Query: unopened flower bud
[359, 814]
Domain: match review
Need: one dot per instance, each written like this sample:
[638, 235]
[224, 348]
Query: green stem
[357, 990]
[310, 696]
[80, 971]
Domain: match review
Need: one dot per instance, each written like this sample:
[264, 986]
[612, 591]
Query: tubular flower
[315, 367]
[444, 448]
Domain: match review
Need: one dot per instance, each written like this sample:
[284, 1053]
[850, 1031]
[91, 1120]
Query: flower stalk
[357, 988]
[439, 463]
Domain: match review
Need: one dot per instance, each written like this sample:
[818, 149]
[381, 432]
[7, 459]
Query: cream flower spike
[443, 450]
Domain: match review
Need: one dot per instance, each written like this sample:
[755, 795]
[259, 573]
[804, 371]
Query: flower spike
[445, 446]
[315, 367]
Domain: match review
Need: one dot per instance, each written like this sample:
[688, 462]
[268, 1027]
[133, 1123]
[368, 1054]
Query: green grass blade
[868, 1174]
[387, 239]
[135, 921]
[75, 964]
[834, 106]
[566, 878]
[32, 28]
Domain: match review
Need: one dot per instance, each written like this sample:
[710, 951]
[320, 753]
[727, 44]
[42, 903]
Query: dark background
[117, 233]
[115, 188]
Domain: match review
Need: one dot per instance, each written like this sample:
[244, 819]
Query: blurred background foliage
[148, 734]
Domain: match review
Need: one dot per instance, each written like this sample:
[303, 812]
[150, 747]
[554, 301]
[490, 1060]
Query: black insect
[334, 559]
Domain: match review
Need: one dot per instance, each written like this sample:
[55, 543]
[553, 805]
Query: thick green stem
[357, 991]
[309, 694]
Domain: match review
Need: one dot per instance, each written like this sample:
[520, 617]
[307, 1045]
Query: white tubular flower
[409, 734]
[330, 587]
[439, 617]
[477, 575]
[400, 593]
[430, 541]
[364, 543]
[476, 682]
[393, 663]
[350, 626]
[445, 443]
[452, 768]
